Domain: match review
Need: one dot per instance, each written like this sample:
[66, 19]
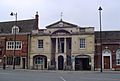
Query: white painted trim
[56, 59]
[21, 64]
[110, 55]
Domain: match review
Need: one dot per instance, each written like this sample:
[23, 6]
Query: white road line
[62, 79]
[4, 73]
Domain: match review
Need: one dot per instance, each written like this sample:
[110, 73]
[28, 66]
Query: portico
[62, 50]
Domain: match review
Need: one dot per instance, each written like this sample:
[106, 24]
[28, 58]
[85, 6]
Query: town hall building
[62, 46]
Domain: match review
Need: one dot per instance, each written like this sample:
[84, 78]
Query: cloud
[81, 12]
[20, 3]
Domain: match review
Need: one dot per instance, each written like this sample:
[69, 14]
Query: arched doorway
[60, 62]
[40, 62]
[82, 62]
[106, 61]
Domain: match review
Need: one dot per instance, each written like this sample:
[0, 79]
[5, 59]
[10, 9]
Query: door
[23, 63]
[78, 64]
[106, 62]
[82, 64]
[60, 63]
[40, 63]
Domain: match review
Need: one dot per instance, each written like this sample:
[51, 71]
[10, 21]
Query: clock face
[60, 24]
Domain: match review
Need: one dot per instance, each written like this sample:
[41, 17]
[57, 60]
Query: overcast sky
[80, 12]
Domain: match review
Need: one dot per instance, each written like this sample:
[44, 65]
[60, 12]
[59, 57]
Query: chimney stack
[37, 21]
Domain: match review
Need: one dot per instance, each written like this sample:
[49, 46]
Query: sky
[83, 13]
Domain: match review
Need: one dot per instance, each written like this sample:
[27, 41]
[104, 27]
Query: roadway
[37, 75]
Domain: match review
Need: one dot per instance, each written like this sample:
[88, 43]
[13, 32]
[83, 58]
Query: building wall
[46, 50]
[75, 42]
[110, 41]
[22, 53]
[89, 44]
[89, 50]
[65, 39]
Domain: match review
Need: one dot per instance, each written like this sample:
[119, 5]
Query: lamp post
[4, 62]
[100, 9]
[4, 56]
[14, 14]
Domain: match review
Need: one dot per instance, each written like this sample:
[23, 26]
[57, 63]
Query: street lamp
[100, 9]
[4, 62]
[14, 14]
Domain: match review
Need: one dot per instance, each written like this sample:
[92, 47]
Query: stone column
[56, 60]
[73, 62]
[92, 62]
[56, 45]
[65, 62]
[56, 54]
[65, 45]
[48, 63]
[31, 63]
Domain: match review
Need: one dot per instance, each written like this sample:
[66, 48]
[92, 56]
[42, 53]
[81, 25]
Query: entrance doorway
[107, 59]
[23, 63]
[82, 62]
[106, 62]
[40, 62]
[60, 62]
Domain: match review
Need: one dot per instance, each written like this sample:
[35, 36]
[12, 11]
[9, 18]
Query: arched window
[15, 29]
[118, 57]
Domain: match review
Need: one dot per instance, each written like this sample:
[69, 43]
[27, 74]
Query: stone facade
[62, 46]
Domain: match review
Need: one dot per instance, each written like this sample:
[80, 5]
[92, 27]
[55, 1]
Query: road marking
[62, 79]
[4, 73]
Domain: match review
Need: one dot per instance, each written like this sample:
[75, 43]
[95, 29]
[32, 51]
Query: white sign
[0, 60]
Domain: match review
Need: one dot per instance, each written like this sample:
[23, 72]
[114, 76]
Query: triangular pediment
[61, 24]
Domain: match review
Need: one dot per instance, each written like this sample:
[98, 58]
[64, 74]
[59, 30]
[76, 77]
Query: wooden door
[106, 62]
[60, 63]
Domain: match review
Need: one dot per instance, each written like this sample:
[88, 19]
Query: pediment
[61, 24]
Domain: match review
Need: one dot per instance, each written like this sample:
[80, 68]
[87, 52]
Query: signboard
[82, 56]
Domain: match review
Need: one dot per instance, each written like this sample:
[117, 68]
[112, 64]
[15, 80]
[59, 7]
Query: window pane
[39, 60]
[118, 56]
[17, 60]
[82, 43]
[40, 43]
[9, 60]
[10, 45]
[15, 29]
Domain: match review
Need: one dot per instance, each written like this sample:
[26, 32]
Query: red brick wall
[23, 52]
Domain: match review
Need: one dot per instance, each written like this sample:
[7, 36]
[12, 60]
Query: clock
[60, 24]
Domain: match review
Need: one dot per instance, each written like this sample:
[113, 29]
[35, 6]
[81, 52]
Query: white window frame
[15, 28]
[82, 43]
[10, 45]
[40, 43]
[118, 57]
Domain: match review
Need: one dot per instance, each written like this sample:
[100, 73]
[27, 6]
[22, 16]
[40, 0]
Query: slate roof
[108, 34]
[24, 26]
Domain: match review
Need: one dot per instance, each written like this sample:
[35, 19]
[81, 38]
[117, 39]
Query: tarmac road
[37, 75]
